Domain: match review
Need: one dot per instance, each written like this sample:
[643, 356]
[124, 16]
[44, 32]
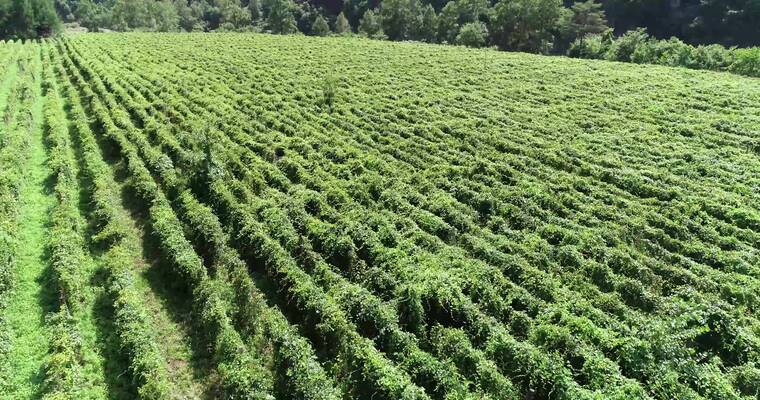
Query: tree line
[587, 29]
[528, 23]
[543, 26]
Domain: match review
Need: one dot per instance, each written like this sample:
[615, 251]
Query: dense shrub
[638, 47]
[747, 62]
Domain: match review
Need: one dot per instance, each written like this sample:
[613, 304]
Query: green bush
[591, 46]
[623, 48]
[747, 62]
[638, 47]
[472, 34]
[713, 57]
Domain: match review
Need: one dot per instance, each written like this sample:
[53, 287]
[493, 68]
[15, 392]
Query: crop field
[248, 216]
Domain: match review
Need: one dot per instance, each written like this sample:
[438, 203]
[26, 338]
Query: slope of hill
[254, 216]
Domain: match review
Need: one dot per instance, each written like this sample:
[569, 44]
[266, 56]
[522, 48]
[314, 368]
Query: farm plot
[259, 217]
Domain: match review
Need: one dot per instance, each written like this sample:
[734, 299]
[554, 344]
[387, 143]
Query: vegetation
[27, 19]
[697, 29]
[450, 223]
[693, 21]
[578, 29]
[638, 47]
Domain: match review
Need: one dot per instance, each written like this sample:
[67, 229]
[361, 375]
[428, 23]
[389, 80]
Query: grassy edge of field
[32, 298]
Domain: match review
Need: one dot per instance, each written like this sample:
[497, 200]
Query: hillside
[254, 217]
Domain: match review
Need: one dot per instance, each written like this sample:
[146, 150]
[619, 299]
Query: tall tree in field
[341, 24]
[525, 25]
[163, 16]
[145, 14]
[354, 9]
[190, 16]
[22, 13]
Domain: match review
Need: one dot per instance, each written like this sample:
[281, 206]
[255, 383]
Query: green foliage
[746, 62]
[427, 25]
[399, 18]
[472, 34]
[28, 19]
[94, 16]
[149, 15]
[538, 26]
[320, 27]
[382, 243]
[489, 236]
[473, 10]
[592, 46]
[190, 17]
[329, 88]
[448, 22]
[638, 47]
[341, 25]
[254, 6]
[280, 17]
[623, 48]
[14, 147]
[524, 25]
[371, 26]
[233, 14]
[581, 20]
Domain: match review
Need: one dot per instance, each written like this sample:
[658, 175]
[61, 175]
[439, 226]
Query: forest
[729, 23]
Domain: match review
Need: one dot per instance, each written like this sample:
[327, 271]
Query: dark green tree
[525, 25]
[448, 22]
[190, 16]
[354, 9]
[254, 6]
[163, 16]
[472, 10]
[92, 15]
[28, 19]
[65, 8]
[428, 27]
[588, 17]
[280, 18]
[148, 15]
[622, 48]
[370, 26]
[232, 14]
[399, 18]
[472, 34]
[581, 20]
